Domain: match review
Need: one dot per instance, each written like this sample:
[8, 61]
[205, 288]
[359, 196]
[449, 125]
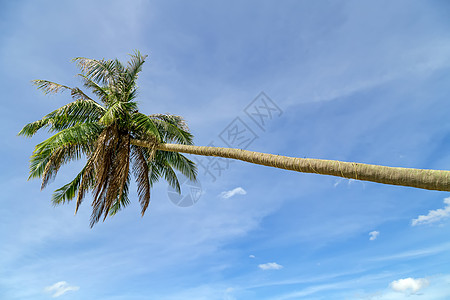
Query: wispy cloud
[373, 235]
[60, 288]
[236, 191]
[433, 215]
[409, 285]
[270, 266]
[251, 256]
[412, 254]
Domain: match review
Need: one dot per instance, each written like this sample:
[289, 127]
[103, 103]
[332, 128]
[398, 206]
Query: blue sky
[364, 81]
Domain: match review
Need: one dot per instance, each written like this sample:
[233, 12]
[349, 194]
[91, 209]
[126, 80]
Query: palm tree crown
[102, 132]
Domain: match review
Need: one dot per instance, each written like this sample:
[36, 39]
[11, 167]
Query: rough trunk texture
[418, 178]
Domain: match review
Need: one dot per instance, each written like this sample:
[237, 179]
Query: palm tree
[118, 140]
[103, 134]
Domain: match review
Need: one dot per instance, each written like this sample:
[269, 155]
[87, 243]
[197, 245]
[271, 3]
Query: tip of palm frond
[32, 176]
[76, 209]
[75, 59]
[22, 132]
[137, 53]
[27, 131]
[49, 87]
[79, 199]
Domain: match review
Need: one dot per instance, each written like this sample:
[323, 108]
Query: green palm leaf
[79, 111]
[132, 71]
[172, 129]
[145, 127]
[99, 91]
[67, 192]
[62, 147]
[119, 113]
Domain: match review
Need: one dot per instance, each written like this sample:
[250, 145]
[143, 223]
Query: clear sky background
[364, 81]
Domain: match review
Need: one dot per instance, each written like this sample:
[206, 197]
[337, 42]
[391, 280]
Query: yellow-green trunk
[418, 178]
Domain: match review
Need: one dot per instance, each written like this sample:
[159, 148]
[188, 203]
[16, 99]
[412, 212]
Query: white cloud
[373, 235]
[435, 289]
[409, 285]
[251, 256]
[236, 191]
[433, 215]
[270, 266]
[60, 288]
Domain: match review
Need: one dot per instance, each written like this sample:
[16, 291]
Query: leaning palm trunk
[418, 178]
[119, 141]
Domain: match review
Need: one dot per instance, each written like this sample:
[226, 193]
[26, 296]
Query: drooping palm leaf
[120, 203]
[141, 173]
[67, 192]
[70, 143]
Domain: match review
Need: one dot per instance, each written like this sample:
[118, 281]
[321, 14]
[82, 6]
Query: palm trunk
[418, 178]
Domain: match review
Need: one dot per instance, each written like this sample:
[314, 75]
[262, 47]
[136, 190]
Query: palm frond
[79, 94]
[144, 127]
[31, 128]
[119, 67]
[153, 170]
[175, 120]
[171, 133]
[181, 163]
[120, 203]
[118, 112]
[100, 71]
[163, 167]
[67, 192]
[102, 159]
[132, 94]
[141, 173]
[101, 92]
[118, 174]
[174, 128]
[49, 87]
[57, 158]
[87, 182]
[81, 110]
[133, 68]
[73, 142]
[111, 160]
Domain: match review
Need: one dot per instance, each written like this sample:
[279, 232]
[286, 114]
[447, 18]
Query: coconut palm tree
[117, 141]
[102, 132]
